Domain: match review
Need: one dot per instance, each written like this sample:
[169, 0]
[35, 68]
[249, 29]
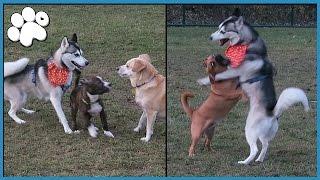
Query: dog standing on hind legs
[223, 97]
[255, 74]
[46, 79]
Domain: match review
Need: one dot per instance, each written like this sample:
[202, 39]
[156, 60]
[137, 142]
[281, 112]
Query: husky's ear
[144, 57]
[74, 38]
[138, 66]
[64, 43]
[221, 60]
[236, 12]
[239, 23]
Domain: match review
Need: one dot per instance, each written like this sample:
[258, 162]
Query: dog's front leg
[104, 122]
[248, 67]
[228, 74]
[151, 117]
[74, 111]
[55, 98]
[141, 123]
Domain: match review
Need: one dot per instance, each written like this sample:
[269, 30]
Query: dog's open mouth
[223, 41]
[77, 65]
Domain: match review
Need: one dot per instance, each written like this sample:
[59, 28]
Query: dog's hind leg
[195, 136]
[15, 106]
[27, 111]
[151, 117]
[55, 98]
[209, 134]
[265, 145]
[252, 141]
[141, 123]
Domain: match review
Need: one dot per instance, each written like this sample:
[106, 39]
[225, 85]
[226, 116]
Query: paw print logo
[31, 26]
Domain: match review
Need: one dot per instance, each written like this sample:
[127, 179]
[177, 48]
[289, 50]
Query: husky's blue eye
[76, 55]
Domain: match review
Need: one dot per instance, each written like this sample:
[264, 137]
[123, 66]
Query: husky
[255, 74]
[46, 79]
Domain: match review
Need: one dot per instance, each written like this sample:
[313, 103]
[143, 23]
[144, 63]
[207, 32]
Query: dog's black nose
[110, 85]
[87, 62]
[210, 38]
[118, 68]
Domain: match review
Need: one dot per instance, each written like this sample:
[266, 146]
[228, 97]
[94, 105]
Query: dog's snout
[118, 68]
[210, 38]
[87, 63]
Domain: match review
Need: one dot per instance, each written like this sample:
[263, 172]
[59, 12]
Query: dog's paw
[137, 129]
[145, 139]
[258, 160]
[204, 81]
[108, 134]
[20, 121]
[243, 162]
[92, 131]
[76, 132]
[68, 131]
[27, 111]
[191, 155]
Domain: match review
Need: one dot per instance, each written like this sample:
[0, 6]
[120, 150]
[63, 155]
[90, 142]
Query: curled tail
[184, 101]
[11, 68]
[289, 97]
[76, 82]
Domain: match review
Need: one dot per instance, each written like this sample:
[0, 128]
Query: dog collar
[137, 86]
[228, 96]
[84, 101]
[57, 76]
[236, 54]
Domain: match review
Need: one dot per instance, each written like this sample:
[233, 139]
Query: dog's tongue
[236, 54]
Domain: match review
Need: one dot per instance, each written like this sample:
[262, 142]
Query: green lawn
[109, 36]
[291, 153]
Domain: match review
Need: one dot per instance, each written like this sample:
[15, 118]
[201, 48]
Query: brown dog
[85, 98]
[223, 97]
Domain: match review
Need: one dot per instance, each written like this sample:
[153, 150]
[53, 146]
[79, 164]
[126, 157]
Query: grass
[109, 36]
[291, 153]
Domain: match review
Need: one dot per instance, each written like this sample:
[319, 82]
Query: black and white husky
[256, 79]
[22, 80]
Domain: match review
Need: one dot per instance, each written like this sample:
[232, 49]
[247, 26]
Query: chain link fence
[257, 15]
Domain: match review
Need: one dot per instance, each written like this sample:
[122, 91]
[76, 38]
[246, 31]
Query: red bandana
[236, 54]
[57, 76]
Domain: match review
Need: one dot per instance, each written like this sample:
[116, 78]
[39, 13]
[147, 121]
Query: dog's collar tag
[133, 91]
[236, 54]
[57, 76]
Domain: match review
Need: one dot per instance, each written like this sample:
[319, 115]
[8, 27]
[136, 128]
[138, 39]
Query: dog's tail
[184, 101]
[11, 68]
[77, 80]
[289, 97]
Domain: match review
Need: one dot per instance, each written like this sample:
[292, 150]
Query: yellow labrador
[150, 91]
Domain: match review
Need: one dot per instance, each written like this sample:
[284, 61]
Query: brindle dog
[85, 99]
